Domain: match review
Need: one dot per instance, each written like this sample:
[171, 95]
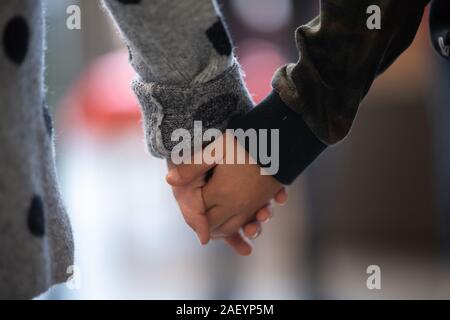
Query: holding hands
[228, 201]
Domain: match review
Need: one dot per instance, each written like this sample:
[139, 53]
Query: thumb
[183, 174]
[282, 196]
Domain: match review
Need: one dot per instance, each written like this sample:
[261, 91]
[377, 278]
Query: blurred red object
[101, 99]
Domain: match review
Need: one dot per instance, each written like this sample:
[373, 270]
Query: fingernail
[268, 219]
[256, 235]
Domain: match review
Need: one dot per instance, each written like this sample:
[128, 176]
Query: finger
[211, 193]
[199, 223]
[184, 174]
[199, 164]
[239, 244]
[217, 216]
[282, 196]
[191, 205]
[198, 182]
[252, 230]
[230, 227]
[264, 214]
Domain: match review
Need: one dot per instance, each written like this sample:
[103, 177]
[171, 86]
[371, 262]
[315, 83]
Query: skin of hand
[235, 192]
[190, 201]
[188, 184]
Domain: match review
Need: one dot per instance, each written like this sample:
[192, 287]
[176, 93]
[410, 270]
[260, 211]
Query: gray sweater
[185, 71]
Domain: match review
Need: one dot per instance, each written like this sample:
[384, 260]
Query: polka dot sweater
[35, 237]
[185, 71]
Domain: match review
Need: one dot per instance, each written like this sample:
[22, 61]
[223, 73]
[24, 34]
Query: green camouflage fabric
[340, 57]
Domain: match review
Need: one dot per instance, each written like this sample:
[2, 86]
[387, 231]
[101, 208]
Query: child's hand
[190, 200]
[188, 180]
[235, 192]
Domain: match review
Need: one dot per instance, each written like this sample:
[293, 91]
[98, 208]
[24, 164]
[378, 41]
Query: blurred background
[381, 197]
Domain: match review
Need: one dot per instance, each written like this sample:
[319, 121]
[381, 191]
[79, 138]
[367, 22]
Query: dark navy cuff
[298, 146]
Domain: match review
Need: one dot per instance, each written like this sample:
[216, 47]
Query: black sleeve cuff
[298, 146]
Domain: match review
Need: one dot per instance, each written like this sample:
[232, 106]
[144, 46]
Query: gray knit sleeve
[185, 67]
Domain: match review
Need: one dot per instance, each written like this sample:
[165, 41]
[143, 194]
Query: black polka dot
[36, 218]
[130, 1]
[16, 37]
[47, 119]
[130, 54]
[218, 36]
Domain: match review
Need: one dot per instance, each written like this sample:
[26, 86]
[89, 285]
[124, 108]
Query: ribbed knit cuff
[166, 108]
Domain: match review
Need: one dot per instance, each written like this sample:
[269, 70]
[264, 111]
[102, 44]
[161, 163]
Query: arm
[185, 67]
[186, 72]
[314, 101]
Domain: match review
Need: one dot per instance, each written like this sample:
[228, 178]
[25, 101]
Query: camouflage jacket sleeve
[340, 54]
[314, 101]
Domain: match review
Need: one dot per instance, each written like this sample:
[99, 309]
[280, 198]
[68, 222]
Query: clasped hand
[222, 200]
